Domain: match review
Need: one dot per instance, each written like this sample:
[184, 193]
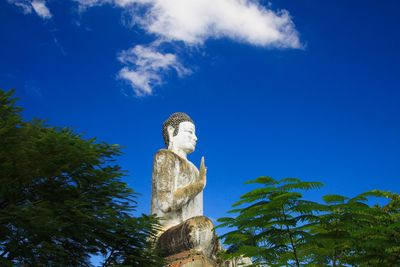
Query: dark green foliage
[351, 232]
[62, 199]
[376, 232]
[272, 226]
[333, 238]
[275, 226]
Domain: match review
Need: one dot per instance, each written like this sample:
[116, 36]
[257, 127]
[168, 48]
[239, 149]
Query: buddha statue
[177, 192]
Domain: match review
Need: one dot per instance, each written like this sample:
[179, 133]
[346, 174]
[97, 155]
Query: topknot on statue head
[174, 120]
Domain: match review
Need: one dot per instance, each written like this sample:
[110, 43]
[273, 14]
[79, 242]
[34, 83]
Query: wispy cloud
[24, 5]
[145, 67]
[57, 43]
[41, 9]
[28, 6]
[32, 89]
[195, 21]
[192, 23]
[84, 4]
[186, 23]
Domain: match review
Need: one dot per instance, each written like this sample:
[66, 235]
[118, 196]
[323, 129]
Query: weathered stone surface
[177, 190]
[193, 234]
[190, 258]
[238, 262]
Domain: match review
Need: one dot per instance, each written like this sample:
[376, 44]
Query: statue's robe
[177, 198]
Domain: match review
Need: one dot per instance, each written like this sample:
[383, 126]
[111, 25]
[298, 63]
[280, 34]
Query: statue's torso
[171, 173]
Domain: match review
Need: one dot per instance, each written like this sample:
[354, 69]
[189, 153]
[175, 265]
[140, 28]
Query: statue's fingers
[202, 166]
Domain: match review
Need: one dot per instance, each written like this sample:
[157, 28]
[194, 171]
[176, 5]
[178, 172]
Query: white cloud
[24, 5]
[84, 4]
[193, 22]
[187, 22]
[41, 9]
[27, 6]
[145, 68]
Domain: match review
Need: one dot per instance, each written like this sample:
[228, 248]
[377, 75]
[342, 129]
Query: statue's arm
[184, 194]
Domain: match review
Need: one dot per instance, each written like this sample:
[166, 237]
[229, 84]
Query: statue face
[186, 138]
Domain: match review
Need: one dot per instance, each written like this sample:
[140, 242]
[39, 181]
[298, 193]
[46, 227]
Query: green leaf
[330, 199]
[266, 180]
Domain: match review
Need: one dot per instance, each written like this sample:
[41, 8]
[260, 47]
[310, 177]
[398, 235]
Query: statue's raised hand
[202, 172]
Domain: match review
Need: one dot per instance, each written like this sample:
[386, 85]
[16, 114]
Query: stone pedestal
[194, 234]
[190, 258]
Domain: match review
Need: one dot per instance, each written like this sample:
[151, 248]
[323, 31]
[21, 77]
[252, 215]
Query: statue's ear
[170, 131]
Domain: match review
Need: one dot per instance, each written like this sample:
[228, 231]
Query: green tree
[275, 226]
[377, 235]
[333, 236]
[271, 225]
[62, 199]
[352, 233]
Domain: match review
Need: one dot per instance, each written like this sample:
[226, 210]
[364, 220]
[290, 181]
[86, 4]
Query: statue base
[190, 258]
[194, 234]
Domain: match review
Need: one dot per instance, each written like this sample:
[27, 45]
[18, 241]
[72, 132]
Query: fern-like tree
[384, 236]
[275, 226]
[62, 199]
[353, 233]
[376, 233]
[272, 223]
[333, 241]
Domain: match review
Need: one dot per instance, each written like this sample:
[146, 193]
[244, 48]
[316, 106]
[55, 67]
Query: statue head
[179, 133]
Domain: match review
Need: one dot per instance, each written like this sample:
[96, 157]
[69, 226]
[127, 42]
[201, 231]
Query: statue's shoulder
[164, 151]
[165, 159]
[168, 156]
[165, 154]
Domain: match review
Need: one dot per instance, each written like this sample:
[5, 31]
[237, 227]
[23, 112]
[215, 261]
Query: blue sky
[310, 92]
